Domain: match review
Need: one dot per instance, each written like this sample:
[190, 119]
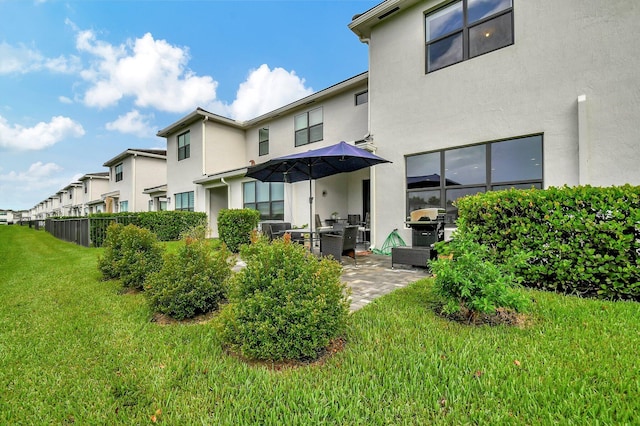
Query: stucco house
[476, 95]
[93, 186]
[130, 172]
[208, 156]
[71, 199]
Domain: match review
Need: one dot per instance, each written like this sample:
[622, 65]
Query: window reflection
[444, 52]
[466, 166]
[517, 159]
[490, 35]
[423, 171]
[445, 21]
[453, 195]
[423, 200]
[480, 9]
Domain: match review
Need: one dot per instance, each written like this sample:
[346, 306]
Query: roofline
[194, 116]
[313, 98]
[94, 176]
[200, 113]
[361, 24]
[216, 176]
[132, 152]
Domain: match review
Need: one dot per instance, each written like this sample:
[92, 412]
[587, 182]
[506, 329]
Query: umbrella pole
[310, 213]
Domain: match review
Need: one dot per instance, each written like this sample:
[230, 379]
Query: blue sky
[81, 81]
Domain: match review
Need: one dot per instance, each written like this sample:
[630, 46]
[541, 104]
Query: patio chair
[364, 229]
[337, 245]
[319, 225]
[353, 219]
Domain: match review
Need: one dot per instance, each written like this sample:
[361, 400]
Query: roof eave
[362, 24]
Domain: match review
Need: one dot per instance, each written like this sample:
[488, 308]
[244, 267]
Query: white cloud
[266, 90]
[21, 189]
[37, 171]
[134, 123]
[22, 59]
[40, 136]
[65, 100]
[151, 71]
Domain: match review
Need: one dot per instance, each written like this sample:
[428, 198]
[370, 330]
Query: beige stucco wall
[562, 50]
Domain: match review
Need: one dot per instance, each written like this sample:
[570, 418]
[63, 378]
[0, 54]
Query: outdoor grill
[427, 227]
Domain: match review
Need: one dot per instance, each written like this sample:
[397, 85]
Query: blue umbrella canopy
[314, 164]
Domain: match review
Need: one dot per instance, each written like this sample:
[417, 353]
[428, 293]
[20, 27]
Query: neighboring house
[131, 172]
[71, 196]
[208, 156]
[472, 96]
[6, 217]
[93, 186]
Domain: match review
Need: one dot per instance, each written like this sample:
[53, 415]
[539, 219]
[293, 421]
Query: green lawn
[73, 349]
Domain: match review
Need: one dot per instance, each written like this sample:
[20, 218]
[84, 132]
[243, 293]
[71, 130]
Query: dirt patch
[502, 316]
[335, 346]
[162, 319]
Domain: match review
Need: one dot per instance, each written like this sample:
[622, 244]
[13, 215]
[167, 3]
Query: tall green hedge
[582, 240]
[167, 225]
[235, 226]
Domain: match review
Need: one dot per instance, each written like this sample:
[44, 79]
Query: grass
[73, 349]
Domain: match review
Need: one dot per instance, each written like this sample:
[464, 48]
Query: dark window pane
[423, 200]
[466, 166]
[263, 208]
[490, 35]
[423, 171]
[302, 137]
[362, 98]
[515, 160]
[453, 195]
[518, 186]
[315, 133]
[277, 210]
[480, 9]
[263, 149]
[444, 21]
[444, 52]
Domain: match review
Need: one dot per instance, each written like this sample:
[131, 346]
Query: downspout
[133, 184]
[204, 145]
[228, 192]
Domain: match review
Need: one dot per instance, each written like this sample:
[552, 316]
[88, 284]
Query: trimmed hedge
[167, 225]
[235, 226]
[580, 240]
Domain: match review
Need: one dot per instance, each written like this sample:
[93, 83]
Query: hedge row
[581, 240]
[167, 225]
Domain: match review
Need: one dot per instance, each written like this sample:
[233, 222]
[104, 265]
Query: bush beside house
[580, 240]
[235, 226]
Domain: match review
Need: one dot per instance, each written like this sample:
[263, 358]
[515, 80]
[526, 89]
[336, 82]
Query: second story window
[309, 127]
[466, 29]
[184, 146]
[86, 186]
[118, 172]
[362, 98]
[263, 141]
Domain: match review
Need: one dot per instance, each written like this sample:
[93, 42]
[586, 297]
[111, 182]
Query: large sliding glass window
[466, 29]
[266, 197]
[437, 179]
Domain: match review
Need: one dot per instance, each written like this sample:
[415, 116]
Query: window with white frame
[266, 197]
[263, 141]
[184, 201]
[436, 179]
[118, 172]
[465, 29]
[308, 127]
[124, 206]
[184, 146]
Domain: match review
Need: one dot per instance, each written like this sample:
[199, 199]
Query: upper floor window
[118, 170]
[437, 179]
[184, 144]
[184, 201]
[466, 29]
[362, 98]
[309, 127]
[263, 141]
[71, 194]
[86, 186]
[266, 197]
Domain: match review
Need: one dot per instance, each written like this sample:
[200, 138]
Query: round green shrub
[191, 281]
[472, 281]
[112, 253]
[285, 305]
[235, 226]
[140, 254]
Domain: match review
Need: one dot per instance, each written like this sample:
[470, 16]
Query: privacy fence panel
[72, 230]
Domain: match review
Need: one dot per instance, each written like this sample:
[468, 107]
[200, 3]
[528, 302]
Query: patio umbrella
[314, 164]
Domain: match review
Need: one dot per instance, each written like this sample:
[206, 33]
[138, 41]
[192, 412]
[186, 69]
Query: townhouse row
[461, 96]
